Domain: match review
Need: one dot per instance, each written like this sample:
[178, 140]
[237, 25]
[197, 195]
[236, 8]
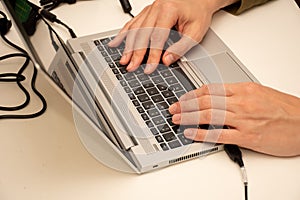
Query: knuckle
[204, 102]
[165, 6]
[205, 89]
[251, 87]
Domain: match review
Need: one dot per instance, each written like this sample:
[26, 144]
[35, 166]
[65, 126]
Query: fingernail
[129, 67]
[190, 133]
[182, 98]
[169, 59]
[123, 58]
[173, 108]
[176, 118]
[149, 68]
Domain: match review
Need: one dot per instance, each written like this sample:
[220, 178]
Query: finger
[138, 42]
[224, 136]
[178, 49]
[201, 103]
[132, 30]
[136, 59]
[210, 89]
[210, 116]
[158, 39]
[123, 32]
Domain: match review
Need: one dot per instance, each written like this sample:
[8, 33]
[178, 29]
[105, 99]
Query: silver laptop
[127, 112]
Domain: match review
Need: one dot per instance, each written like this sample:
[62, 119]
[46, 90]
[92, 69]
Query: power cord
[235, 154]
[126, 7]
[5, 25]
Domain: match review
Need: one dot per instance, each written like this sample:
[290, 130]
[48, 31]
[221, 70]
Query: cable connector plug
[235, 154]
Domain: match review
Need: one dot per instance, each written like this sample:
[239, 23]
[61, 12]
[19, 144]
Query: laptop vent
[198, 154]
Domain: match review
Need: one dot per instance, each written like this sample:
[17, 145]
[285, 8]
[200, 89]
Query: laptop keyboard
[151, 94]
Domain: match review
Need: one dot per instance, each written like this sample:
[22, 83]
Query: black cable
[235, 154]
[18, 77]
[131, 14]
[126, 7]
[51, 17]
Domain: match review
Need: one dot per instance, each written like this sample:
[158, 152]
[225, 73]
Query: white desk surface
[43, 158]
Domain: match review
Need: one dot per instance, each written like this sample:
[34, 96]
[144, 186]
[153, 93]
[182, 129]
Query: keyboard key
[96, 42]
[119, 76]
[153, 112]
[174, 65]
[167, 94]
[105, 41]
[100, 48]
[172, 100]
[136, 103]
[138, 71]
[107, 59]
[157, 80]
[164, 146]
[115, 71]
[129, 76]
[143, 98]
[174, 144]
[149, 124]
[139, 91]
[116, 57]
[104, 53]
[154, 131]
[162, 87]
[155, 73]
[134, 83]
[158, 120]
[169, 120]
[169, 136]
[145, 116]
[162, 67]
[123, 83]
[131, 96]
[184, 140]
[166, 73]
[166, 113]
[180, 93]
[163, 128]
[157, 98]
[140, 109]
[152, 91]
[159, 139]
[143, 77]
[123, 70]
[176, 87]
[127, 89]
[162, 105]
[111, 50]
[171, 80]
[148, 105]
[148, 85]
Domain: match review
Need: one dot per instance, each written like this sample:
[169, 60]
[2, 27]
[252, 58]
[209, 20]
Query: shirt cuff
[243, 5]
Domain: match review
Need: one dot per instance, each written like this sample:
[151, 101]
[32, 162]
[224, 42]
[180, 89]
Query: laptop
[126, 113]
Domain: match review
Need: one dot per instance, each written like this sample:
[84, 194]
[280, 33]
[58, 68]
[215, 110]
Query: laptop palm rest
[221, 68]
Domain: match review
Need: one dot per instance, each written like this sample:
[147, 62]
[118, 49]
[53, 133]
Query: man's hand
[258, 117]
[151, 27]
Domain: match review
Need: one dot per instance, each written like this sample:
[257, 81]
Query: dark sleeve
[243, 5]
